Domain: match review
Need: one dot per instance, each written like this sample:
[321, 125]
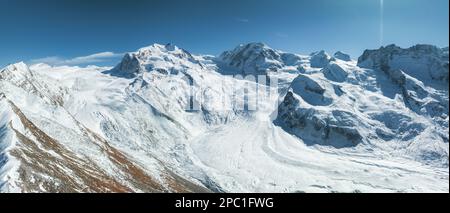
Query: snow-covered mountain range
[253, 119]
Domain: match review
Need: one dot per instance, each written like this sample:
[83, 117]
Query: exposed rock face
[130, 65]
[342, 56]
[301, 113]
[311, 91]
[417, 97]
[336, 128]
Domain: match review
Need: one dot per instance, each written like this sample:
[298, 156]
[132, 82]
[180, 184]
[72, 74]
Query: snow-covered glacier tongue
[253, 119]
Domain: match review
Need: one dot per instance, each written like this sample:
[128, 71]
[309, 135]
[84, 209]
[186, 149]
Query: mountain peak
[169, 47]
[15, 71]
[253, 58]
[255, 45]
[320, 59]
[162, 58]
[17, 66]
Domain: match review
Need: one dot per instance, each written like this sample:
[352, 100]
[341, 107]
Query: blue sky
[77, 32]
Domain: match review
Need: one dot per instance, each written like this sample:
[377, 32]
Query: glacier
[253, 119]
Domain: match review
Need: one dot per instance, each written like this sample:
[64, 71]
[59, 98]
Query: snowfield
[253, 119]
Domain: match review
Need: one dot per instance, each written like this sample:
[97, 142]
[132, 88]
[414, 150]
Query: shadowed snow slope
[164, 120]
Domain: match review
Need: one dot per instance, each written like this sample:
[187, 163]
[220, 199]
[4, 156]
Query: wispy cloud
[242, 20]
[281, 35]
[89, 59]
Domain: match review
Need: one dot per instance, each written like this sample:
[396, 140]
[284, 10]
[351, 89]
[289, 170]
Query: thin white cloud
[89, 59]
[51, 60]
[242, 20]
[281, 35]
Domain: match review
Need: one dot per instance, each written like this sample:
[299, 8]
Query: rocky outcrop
[342, 56]
[130, 65]
[311, 91]
[337, 128]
